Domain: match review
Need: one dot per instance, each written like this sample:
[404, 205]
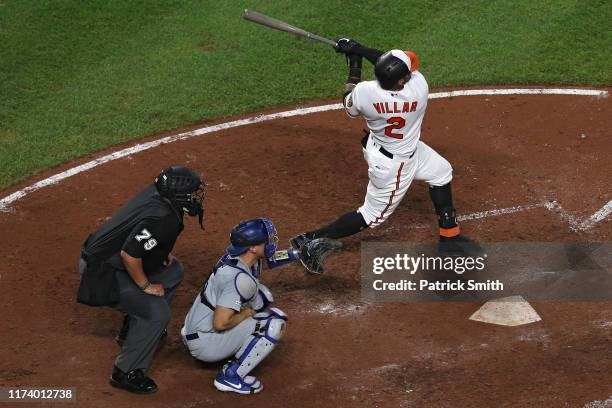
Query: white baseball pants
[390, 178]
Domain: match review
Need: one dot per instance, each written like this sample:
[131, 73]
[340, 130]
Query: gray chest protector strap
[245, 284]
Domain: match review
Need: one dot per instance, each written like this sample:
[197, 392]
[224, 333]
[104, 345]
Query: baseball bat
[267, 21]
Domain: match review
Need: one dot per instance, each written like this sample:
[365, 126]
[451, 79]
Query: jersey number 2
[395, 123]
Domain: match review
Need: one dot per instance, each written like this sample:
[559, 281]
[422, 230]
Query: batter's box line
[498, 212]
[490, 213]
[574, 222]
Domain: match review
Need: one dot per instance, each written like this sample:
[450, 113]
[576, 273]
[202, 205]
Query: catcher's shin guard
[268, 332]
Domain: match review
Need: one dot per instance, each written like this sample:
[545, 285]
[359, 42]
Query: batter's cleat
[227, 380]
[135, 381]
[459, 246]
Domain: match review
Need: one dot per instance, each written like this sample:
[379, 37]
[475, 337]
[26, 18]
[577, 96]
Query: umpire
[128, 264]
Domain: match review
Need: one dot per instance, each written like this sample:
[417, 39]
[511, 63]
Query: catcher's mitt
[313, 252]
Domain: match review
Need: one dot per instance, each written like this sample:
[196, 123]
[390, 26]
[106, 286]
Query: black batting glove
[346, 46]
[349, 46]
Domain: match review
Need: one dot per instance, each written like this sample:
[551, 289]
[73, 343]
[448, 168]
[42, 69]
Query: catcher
[231, 317]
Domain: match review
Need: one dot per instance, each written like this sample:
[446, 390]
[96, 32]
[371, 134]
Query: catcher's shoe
[227, 380]
[135, 381]
[459, 246]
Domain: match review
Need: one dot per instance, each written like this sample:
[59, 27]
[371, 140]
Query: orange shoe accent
[414, 60]
[449, 232]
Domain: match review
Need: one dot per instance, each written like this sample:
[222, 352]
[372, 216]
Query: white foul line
[538, 91]
[56, 178]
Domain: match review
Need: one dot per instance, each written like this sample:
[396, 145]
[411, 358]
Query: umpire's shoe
[459, 246]
[135, 381]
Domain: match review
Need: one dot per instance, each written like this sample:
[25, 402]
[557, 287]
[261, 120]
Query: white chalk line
[599, 403]
[574, 224]
[599, 216]
[535, 91]
[331, 307]
[489, 213]
[8, 200]
[496, 212]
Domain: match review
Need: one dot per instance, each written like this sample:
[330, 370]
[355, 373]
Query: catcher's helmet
[253, 232]
[184, 188]
[391, 67]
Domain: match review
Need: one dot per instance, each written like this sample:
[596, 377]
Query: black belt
[192, 336]
[383, 151]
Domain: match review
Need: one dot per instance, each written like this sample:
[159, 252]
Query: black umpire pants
[149, 315]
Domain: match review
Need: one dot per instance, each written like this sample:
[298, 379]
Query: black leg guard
[451, 242]
[442, 199]
[347, 224]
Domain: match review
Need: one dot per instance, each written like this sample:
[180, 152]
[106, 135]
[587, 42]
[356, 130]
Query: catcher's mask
[185, 190]
[253, 232]
[391, 67]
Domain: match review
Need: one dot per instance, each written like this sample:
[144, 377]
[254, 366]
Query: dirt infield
[338, 352]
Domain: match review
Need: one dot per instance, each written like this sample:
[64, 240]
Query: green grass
[79, 76]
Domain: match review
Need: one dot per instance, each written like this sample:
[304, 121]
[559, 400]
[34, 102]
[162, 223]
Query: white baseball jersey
[394, 117]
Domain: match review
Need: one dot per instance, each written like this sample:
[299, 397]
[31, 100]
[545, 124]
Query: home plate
[508, 311]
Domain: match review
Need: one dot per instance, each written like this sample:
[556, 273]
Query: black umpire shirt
[146, 227]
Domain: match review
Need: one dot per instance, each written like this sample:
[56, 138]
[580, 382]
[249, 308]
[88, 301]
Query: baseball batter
[128, 264]
[232, 316]
[393, 107]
